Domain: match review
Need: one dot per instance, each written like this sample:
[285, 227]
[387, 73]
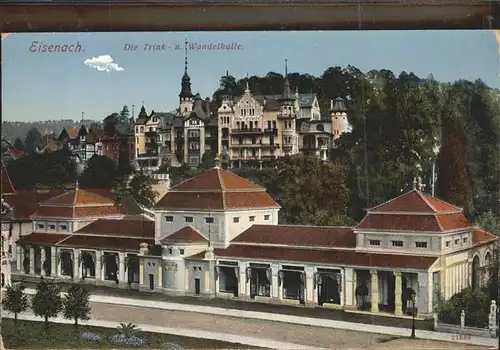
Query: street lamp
[435, 149]
[413, 302]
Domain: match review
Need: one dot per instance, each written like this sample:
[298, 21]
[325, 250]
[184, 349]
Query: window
[397, 243]
[188, 219]
[457, 241]
[194, 268]
[375, 242]
[181, 251]
[169, 218]
[266, 217]
[40, 226]
[251, 218]
[170, 251]
[64, 227]
[236, 220]
[465, 240]
[448, 244]
[52, 227]
[421, 244]
[209, 220]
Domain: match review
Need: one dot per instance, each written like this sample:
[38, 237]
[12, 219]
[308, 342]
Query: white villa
[217, 235]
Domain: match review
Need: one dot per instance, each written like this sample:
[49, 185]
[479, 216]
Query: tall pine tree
[454, 184]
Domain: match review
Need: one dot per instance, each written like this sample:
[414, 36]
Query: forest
[402, 126]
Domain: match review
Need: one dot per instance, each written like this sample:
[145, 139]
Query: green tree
[47, 301]
[207, 160]
[311, 191]
[76, 304]
[33, 140]
[141, 188]
[18, 144]
[101, 172]
[489, 221]
[124, 115]
[128, 330]
[454, 182]
[15, 300]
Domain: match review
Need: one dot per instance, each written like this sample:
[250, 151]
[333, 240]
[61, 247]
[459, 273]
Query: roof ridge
[389, 201]
[427, 202]
[223, 187]
[439, 222]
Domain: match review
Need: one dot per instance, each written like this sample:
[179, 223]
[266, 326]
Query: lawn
[33, 335]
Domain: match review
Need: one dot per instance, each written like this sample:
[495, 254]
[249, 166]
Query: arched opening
[476, 273]
[487, 268]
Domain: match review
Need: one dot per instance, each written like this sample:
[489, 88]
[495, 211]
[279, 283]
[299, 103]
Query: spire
[247, 88]
[287, 92]
[185, 57]
[186, 80]
[415, 182]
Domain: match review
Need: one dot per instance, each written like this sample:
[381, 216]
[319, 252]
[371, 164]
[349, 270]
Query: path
[284, 328]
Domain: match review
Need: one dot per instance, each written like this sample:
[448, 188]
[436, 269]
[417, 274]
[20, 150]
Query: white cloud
[103, 63]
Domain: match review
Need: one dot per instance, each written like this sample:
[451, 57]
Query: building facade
[217, 235]
[255, 130]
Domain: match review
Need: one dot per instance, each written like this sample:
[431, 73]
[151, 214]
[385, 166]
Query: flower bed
[171, 346]
[90, 336]
[131, 342]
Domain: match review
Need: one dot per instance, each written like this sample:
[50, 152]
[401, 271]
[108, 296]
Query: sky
[104, 76]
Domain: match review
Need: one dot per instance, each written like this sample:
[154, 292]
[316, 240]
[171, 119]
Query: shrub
[15, 301]
[90, 336]
[475, 304]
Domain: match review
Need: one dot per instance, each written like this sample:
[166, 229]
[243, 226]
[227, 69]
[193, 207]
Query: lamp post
[412, 336]
[435, 149]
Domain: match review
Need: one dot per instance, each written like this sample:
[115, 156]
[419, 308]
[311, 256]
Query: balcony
[272, 131]
[246, 145]
[269, 145]
[239, 157]
[287, 116]
[246, 131]
[287, 146]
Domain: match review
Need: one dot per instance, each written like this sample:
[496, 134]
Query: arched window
[476, 273]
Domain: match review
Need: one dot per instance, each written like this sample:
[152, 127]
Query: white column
[424, 303]
[98, 265]
[59, 263]
[374, 290]
[243, 284]
[103, 267]
[275, 287]
[398, 305]
[53, 262]
[348, 288]
[76, 264]
[121, 257]
[32, 260]
[42, 260]
[310, 290]
[19, 261]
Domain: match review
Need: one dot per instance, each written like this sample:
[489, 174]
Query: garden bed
[33, 335]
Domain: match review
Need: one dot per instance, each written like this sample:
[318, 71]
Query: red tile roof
[481, 236]
[345, 258]
[7, 186]
[42, 238]
[216, 189]
[415, 202]
[73, 132]
[25, 202]
[112, 243]
[304, 236]
[414, 211]
[79, 197]
[122, 228]
[187, 234]
[79, 203]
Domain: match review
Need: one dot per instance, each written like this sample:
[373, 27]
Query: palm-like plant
[128, 330]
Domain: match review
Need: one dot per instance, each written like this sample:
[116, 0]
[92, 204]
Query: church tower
[225, 116]
[185, 96]
[287, 116]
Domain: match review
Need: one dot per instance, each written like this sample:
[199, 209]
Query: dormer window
[397, 243]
